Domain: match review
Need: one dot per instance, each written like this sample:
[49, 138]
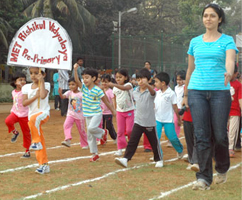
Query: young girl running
[74, 114]
[92, 96]
[123, 93]
[19, 114]
[36, 97]
[107, 114]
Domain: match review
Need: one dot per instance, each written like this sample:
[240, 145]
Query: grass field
[72, 176]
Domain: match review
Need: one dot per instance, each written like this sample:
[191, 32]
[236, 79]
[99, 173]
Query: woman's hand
[227, 78]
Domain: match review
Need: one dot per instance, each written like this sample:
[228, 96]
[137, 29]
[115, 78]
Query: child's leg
[152, 137]
[35, 123]
[81, 129]
[171, 134]
[233, 130]
[146, 143]
[134, 141]
[109, 126]
[121, 140]
[190, 141]
[10, 121]
[177, 128]
[129, 122]
[68, 124]
[159, 129]
[94, 132]
[23, 122]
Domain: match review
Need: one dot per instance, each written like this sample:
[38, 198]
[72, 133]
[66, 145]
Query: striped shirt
[210, 60]
[91, 100]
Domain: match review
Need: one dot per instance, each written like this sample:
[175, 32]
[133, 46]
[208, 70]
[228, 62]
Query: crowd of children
[145, 105]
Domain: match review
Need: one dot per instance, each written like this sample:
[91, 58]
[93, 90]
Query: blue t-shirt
[91, 100]
[210, 60]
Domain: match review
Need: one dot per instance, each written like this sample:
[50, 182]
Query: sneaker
[188, 167]
[84, 148]
[14, 137]
[66, 143]
[152, 159]
[94, 158]
[57, 109]
[180, 155]
[122, 162]
[195, 168]
[26, 154]
[200, 185]
[147, 150]
[43, 169]
[231, 153]
[237, 149]
[104, 138]
[169, 144]
[118, 153]
[185, 158]
[36, 146]
[220, 178]
[159, 163]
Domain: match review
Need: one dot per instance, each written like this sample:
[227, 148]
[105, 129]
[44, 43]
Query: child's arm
[60, 94]
[27, 101]
[79, 83]
[175, 108]
[121, 87]
[240, 105]
[114, 102]
[110, 107]
[150, 88]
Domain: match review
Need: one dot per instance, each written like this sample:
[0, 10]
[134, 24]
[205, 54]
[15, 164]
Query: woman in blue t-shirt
[211, 59]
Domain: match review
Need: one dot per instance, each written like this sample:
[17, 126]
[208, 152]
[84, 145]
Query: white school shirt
[44, 103]
[124, 99]
[163, 105]
[179, 90]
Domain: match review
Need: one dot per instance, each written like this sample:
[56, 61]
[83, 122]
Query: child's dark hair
[219, 12]
[79, 58]
[182, 74]
[92, 72]
[125, 73]
[15, 77]
[163, 76]
[71, 80]
[106, 77]
[143, 73]
[152, 82]
[147, 62]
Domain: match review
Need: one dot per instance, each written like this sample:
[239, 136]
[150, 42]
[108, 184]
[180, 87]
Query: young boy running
[144, 121]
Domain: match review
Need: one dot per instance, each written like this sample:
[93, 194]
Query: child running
[107, 114]
[91, 100]
[39, 113]
[19, 114]
[123, 93]
[165, 106]
[179, 90]
[74, 114]
[144, 121]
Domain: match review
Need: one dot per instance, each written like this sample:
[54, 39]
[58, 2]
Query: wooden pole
[39, 88]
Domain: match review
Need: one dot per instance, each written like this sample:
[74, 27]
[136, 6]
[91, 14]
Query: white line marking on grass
[164, 194]
[69, 160]
[57, 147]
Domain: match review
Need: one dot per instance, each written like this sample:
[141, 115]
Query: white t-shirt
[163, 105]
[179, 90]
[124, 99]
[44, 103]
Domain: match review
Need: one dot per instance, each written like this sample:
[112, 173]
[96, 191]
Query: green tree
[71, 14]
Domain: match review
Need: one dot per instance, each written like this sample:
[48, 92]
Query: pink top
[109, 94]
[75, 104]
[18, 108]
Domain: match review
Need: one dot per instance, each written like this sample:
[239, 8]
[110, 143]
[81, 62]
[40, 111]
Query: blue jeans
[210, 112]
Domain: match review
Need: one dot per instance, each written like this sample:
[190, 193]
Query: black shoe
[147, 150]
[26, 154]
[14, 137]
